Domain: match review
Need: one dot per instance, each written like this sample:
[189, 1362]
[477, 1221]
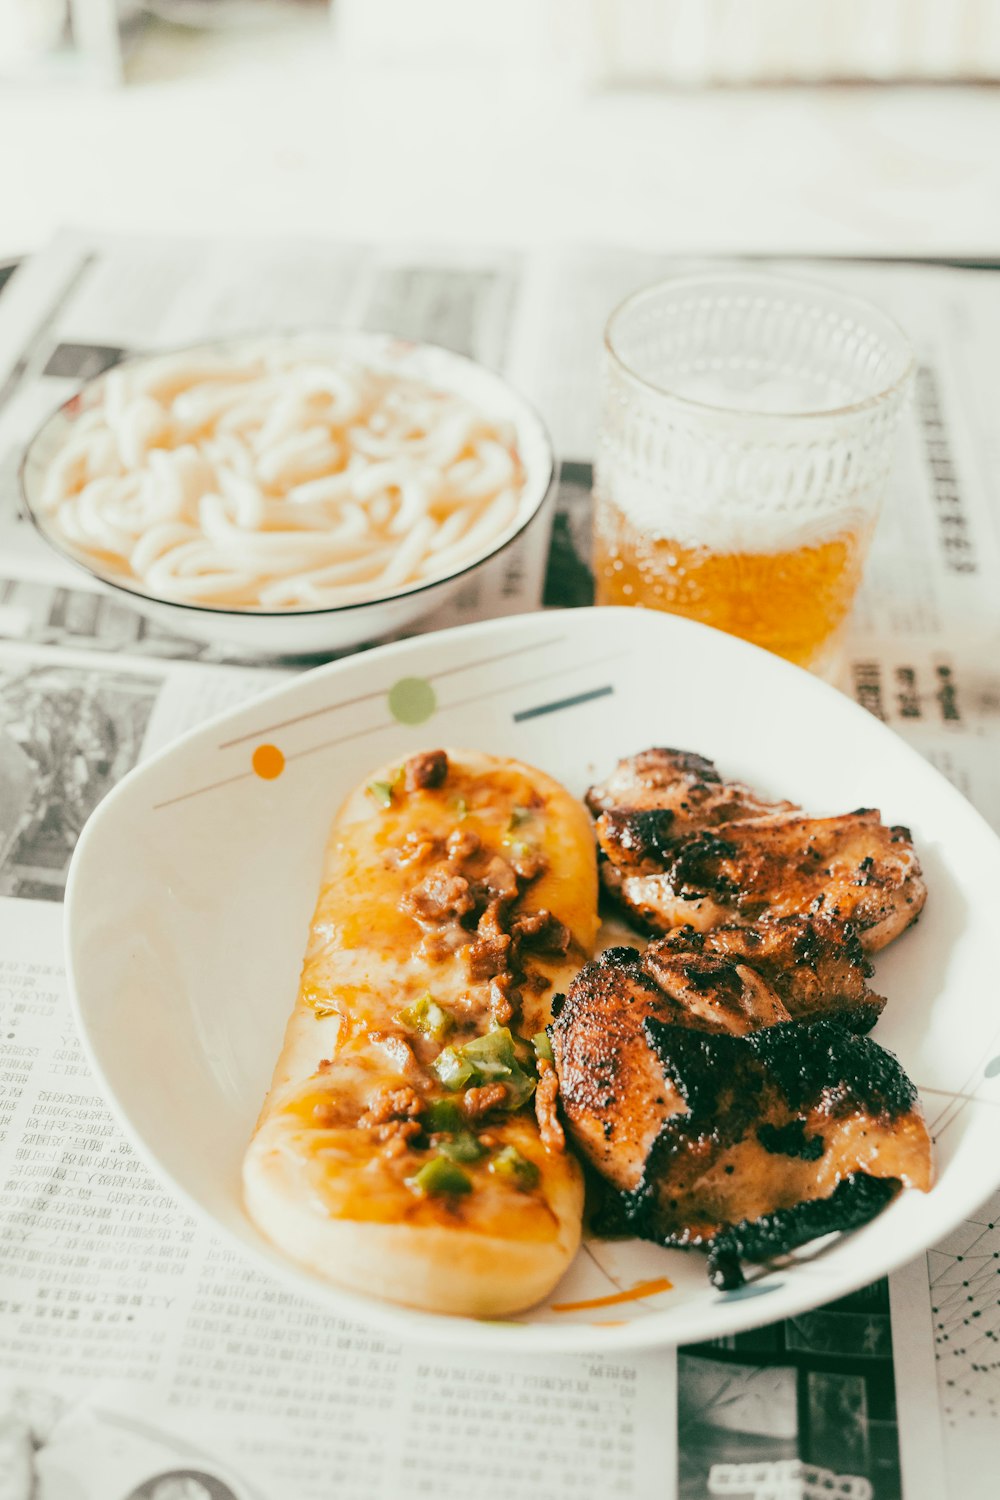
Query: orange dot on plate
[268, 762]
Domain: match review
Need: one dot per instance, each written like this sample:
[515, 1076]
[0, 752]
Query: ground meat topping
[328, 1113]
[438, 944]
[424, 771]
[489, 954]
[467, 900]
[479, 1101]
[527, 864]
[441, 897]
[396, 1130]
[395, 1137]
[504, 999]
[417, 847]
[497, 882]
[391, 1104]
[462, 844]
[397, 1051]
[546, 1101]
[542, 932]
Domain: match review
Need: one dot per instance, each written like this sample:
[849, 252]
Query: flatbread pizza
[409, 1146]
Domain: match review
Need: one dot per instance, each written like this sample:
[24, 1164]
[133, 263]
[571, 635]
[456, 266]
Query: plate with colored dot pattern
[193, 885]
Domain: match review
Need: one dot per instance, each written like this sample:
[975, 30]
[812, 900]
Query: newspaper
[141, 1358]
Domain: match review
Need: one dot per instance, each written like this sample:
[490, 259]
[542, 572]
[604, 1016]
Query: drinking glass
[746, 439]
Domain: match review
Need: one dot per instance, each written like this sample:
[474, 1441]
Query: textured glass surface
[746, 439]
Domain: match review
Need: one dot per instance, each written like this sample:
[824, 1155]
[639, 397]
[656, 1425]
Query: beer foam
[733, 521]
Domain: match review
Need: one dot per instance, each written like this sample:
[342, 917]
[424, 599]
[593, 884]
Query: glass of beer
[746, 438]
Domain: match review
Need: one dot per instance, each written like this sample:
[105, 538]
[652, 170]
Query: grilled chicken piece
[706, 1127]
[679, 782]
[712, 854]
[854, 1202]
[734, 980]
[611, 1084]
[816, 965]
[852, 868]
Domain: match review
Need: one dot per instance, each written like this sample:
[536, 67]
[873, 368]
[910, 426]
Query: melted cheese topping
[373, 951]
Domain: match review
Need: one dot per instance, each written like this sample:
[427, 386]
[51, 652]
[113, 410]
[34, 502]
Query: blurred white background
[526, 121]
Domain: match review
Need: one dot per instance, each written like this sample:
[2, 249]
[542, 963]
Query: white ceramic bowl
[192, 887]
[302, 631]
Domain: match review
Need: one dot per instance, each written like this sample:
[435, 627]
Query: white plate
[193, 885]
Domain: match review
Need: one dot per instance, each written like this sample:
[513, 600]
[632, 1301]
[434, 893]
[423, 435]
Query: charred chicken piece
[851, 868]
[712, 854]
[853, 1202]
[678, 782]
[611, 1084]
[733, 981]
[816, 965]
[794, 1110]
[702, 1131]
[716, 1081]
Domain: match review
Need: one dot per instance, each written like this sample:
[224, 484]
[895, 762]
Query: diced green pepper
[499, 1057]
[542, 1045]
[463, 1147]
[509, 1163]
[382, 791]
[493, 1058]
[426, 1017]
[443, 1114]
[518, 816]
[439, 1176]
[451, 1069]
[461, 809]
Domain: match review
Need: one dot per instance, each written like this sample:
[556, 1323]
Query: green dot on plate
[992, 1068]
[412, 700]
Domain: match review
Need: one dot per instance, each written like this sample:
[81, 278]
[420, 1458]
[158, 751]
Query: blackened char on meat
[679, 780]
[730, 1151]
[686, 785]
[854, 1202]
[679, 845]
[717, 1081]
[702, 1104]
[816, 965]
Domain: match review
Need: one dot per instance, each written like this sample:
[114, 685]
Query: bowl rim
[377, 337]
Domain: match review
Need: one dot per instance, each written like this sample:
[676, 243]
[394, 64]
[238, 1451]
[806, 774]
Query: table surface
[272, 132]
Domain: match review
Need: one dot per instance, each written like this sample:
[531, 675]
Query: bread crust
[331, 1189]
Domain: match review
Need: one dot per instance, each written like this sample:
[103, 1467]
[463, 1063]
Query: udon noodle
[278, 481]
